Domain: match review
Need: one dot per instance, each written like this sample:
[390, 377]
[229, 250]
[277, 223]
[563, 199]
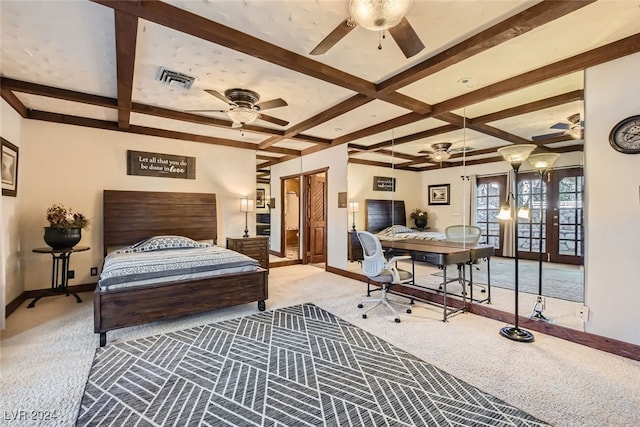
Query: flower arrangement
[419, 213]
[60, 217]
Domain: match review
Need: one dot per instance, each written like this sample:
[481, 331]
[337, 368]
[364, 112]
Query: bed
[387, 219]
[133, 216]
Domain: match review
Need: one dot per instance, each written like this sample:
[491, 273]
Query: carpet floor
[294, 366]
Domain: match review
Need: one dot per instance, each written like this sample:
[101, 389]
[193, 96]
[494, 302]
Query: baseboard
[32, 293]
[284, 263]
[598, 342]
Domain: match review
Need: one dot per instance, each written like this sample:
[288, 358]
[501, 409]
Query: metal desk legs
[59, 278]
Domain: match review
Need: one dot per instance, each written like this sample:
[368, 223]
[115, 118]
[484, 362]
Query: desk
[442, 253]
[59, 272]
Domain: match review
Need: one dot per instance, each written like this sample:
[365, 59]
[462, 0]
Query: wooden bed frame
[130, 216]
[381, 214]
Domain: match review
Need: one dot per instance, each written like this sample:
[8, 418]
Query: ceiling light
[243, 115]
[378, 15]
[575, 132]
[440, 155]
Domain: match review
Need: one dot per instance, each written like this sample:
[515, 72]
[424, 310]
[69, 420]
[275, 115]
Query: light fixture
[505, 211]
[542, 163]
[242, 115]
[379, 15]
[440, 155]
[353, 208]
[515, 155]
[246, 206]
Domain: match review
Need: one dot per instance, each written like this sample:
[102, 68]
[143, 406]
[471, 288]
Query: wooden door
[316, 218]
[491, 193]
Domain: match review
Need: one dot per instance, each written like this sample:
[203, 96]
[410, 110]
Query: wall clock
[625, 136]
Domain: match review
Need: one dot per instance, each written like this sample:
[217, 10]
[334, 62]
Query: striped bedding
[124, 269]
[400, 232]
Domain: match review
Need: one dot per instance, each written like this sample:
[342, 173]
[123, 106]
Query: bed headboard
[381, 214]
[130, 216]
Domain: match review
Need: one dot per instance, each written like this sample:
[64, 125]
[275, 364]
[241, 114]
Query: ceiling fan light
[377, 15]
[243, 115]
[575, 132]
[440, 156]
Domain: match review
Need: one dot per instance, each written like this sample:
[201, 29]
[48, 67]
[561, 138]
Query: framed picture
[260, 201]
[439, 194]
[9, 168]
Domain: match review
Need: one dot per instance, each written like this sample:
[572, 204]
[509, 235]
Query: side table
[59, 272]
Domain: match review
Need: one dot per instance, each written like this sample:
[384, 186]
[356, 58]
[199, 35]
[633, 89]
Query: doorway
[290, 236]
[315, 218]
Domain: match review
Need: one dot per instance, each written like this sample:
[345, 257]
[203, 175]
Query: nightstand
[354, 249]
[256, 247]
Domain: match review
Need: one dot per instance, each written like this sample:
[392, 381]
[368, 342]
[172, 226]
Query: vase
[62, 238]
[421, 223]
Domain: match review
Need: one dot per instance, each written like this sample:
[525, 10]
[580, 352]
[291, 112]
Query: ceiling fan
[443, 150]
[377, 15]
[244, 107]
[572, 127]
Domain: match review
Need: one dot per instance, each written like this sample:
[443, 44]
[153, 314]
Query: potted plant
[420, 218]
[65, 226]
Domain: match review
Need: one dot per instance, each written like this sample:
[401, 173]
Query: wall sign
[384, 183]
[160, 165]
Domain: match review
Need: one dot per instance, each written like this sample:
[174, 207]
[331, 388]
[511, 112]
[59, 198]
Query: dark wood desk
[59, 272]
[441, 254]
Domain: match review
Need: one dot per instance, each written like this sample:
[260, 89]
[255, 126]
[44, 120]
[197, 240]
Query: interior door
[566, 234]
[316, 218]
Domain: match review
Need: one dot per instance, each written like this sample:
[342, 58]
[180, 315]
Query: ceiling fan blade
[273, 120]
[333, 37]
[561, 126]
[547, 136]
[220, 96]
[274, 103]
[406, 38]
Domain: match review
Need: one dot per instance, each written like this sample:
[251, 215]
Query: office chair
[379, 269]
[469, 234]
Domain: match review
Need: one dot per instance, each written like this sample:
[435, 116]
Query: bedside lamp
[246, 206]
[353, 208]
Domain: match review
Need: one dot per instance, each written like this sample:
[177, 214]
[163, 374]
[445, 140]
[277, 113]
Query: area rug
[562, 282]
[296, 366]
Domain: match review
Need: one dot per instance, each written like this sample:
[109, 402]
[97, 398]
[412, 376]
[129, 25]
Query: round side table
[59, 272]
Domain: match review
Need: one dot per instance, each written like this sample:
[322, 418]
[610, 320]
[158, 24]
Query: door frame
[283, 231]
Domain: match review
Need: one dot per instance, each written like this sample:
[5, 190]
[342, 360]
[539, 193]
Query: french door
[556, 223]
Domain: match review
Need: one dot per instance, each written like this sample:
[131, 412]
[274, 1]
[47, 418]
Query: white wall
[10, 272]
[361, 188]
[612, 93]
[73, 165]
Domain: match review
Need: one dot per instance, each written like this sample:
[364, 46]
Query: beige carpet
[46, 354]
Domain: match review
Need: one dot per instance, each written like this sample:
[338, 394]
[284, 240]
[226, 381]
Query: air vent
[174, 78]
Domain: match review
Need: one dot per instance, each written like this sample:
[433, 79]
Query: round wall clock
[625, 136]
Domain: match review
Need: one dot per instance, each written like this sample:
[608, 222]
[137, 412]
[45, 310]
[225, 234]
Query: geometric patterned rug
[296, 366]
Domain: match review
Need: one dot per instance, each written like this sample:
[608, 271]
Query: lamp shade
[543, 161]
[516, 153]
[378, 15]
[353, 207]
[246, 205]
[524, 212]
[243, 115]
[505, 212]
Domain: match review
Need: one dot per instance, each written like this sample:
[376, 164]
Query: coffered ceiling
[492, 73]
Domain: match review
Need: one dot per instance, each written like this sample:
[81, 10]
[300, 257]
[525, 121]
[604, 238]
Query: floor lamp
[516, 154]
[542, 163]
[246, 206]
